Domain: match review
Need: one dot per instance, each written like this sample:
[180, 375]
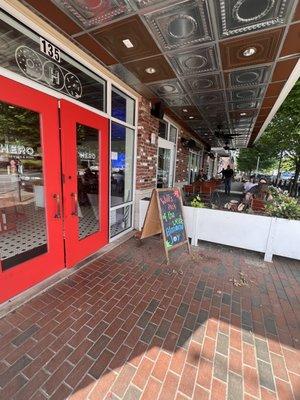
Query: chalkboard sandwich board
[165, 215]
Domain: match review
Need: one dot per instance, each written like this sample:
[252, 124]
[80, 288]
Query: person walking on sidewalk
[227, 175]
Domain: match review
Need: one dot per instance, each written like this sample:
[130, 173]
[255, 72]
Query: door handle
[56, 197]
[75, 204]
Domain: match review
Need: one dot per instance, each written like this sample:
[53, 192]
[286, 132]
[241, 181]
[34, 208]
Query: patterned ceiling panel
[183, 24]
[177, 101]
[112, 37]
[198, 84]
[263, 46]
[248, 77]
[188, 113]
[90, 13]
[160, 69]
[167, 88]
[209, 98]
[240, 16]
[202, 59]
[152, 3]
[245, 105]
[246, 94]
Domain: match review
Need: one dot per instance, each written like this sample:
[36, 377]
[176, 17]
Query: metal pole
[257, 166]
[279, 168]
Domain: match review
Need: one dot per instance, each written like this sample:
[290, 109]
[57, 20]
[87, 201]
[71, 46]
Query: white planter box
[247, 231]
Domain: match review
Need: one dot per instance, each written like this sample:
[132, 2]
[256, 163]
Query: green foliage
[283, 206]
[197, 202]
[247, 159]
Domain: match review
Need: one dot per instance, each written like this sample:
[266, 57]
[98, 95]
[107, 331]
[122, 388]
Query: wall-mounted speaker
[158, 109]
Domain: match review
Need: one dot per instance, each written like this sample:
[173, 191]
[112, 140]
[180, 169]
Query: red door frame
[33, 271]
[71, 114]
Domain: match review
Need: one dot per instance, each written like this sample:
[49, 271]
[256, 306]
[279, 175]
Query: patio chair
[258, 205]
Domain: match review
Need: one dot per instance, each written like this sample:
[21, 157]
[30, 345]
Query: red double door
[53, 186]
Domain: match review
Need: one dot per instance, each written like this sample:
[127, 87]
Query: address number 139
[50, 50]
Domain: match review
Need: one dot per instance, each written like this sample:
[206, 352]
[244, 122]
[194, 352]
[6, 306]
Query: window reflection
[22, 205]
[88, 180]
[164, 167]
[122, 149]
[122, 106]
[120, 220]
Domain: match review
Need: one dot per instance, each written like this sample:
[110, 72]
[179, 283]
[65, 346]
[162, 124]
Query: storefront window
[173, 134]
[163, 130]
[120, 220]
[87, 180]
[122, 149]
[164, 166]
[122, 106]
[23, 233]
[27, 54]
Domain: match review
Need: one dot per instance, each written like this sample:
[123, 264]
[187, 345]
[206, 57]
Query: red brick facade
[182, 159]
[146, 162]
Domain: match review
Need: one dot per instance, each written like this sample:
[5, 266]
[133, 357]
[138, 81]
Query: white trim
[283, 94]
[129, 203]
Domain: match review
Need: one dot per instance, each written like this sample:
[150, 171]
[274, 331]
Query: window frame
[170, 145]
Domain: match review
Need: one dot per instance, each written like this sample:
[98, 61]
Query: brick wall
[182, 159]
[146, 162]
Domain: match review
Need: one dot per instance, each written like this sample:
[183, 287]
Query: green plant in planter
[283, 206]
[197, 202]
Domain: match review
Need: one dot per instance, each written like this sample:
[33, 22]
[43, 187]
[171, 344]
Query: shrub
[197, 202]
[283, 206]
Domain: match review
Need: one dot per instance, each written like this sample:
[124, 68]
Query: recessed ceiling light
[150, 70]
[243, 114]
[128, 43]
[191, 117]
[250, 51]
[185, 110]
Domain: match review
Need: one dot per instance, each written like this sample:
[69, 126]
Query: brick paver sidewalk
[126, 328]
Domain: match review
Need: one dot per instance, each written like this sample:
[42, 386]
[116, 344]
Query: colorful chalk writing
[172, 217]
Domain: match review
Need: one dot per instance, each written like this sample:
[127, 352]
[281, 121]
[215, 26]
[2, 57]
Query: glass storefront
[122, 163]
[23, 233]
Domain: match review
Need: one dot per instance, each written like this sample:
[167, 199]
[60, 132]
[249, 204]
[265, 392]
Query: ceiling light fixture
[184, 110]
[191, 117]
[243, 114]
[150, 70]
[128, 43]
[249, 52]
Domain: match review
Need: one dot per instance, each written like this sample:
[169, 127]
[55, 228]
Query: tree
[283, 133]
[247, 159]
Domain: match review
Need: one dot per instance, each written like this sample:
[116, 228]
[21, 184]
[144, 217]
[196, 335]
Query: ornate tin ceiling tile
[246, 94]
[167, 88]
[209, 98]
[90, 13]
[151, 3]
[183, 24]
[249, 77]
[245, 105]
[240, 16]
[202, 59]
[178, 101]
[198, 84]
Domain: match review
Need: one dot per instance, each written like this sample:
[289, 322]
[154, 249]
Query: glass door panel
[22, 197]
[87, 179]
[84, 137]
[31, 235]
[164, 166]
